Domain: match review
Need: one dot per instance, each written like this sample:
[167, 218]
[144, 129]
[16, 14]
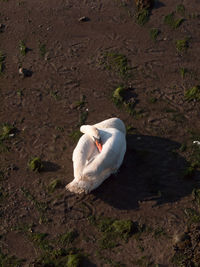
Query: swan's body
[92, 167]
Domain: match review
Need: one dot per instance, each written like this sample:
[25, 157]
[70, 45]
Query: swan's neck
[93, 133]
[86, 129]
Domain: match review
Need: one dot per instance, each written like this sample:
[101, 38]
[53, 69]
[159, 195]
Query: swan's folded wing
[110, 158]
[82, 153]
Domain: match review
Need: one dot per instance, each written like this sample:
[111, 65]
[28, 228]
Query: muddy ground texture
[69, 62]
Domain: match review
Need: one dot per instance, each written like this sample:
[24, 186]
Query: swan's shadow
[150, 171]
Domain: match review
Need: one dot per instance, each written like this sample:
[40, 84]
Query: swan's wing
[111, 156]
[112, 123]
[82, 154]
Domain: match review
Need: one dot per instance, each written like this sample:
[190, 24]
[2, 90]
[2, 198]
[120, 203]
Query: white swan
[98, 154]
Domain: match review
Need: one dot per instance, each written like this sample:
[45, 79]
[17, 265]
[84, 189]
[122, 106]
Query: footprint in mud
[77, 207]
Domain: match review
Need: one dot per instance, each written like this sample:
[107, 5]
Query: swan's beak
[99, 145]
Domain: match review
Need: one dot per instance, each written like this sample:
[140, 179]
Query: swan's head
[93, 132]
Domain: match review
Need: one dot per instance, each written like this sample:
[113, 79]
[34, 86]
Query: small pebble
[83, 19]
[24, 72]
[21, 71]
[47, 56]
[196, 142]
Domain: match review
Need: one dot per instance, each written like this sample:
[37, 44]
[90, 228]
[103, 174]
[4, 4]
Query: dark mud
[78, 53]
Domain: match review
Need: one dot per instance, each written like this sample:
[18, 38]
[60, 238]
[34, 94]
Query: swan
[99, 153]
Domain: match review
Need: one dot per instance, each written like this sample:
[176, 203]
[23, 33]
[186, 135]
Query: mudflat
[67, 63]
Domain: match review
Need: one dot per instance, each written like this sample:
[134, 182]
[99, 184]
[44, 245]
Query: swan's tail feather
[80, 186]
[74, 188]
[87, 183]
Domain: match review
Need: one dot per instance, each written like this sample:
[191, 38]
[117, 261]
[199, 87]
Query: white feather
[92, 167]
